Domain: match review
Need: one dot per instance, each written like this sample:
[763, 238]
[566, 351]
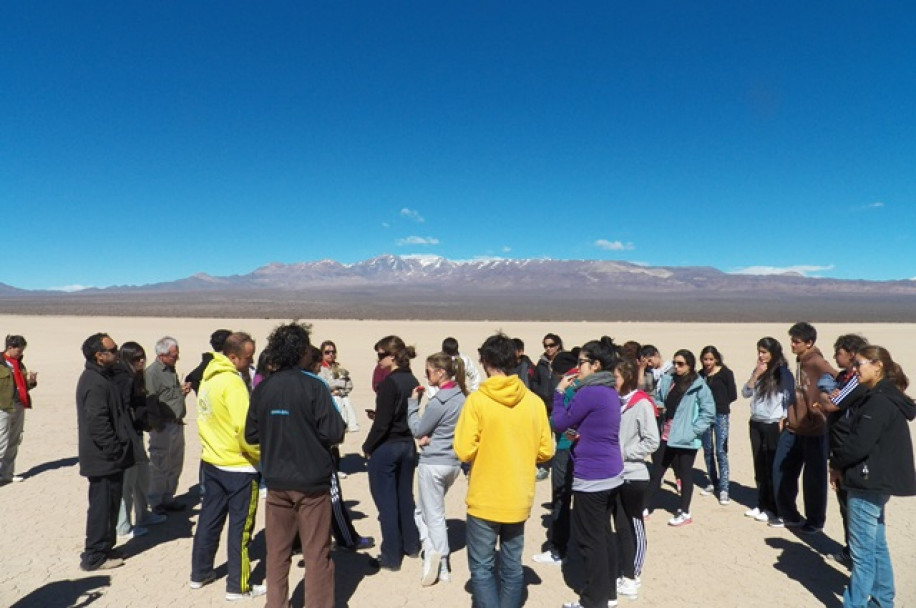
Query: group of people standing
[612, 421]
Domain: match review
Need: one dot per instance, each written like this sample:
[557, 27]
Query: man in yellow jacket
[503, 432]
[228, 470]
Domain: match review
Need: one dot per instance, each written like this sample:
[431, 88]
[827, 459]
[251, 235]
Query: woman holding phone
[389, 446]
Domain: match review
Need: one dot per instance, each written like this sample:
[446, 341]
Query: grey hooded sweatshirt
[438, 423]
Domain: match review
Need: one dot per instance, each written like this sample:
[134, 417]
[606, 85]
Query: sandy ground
[722, 559]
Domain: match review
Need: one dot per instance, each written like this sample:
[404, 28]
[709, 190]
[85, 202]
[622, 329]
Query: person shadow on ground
[806, 566]
[70, 593]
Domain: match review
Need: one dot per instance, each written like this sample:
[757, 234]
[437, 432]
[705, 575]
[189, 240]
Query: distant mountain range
[508, 276]
[432, 287]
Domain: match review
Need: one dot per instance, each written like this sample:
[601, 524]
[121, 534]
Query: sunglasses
[582, 362]
[680, 364]
[113, 350]
[860, 362]
[330, 352]
[382, 355]
[546, 345]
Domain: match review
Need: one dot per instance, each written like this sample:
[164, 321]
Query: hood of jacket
[219, 365]
[505, 390]
[906, 406]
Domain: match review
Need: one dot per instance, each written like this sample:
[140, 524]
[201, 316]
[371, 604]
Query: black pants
[102, 518]
[561, 494]
[591, 518]
[232, 494]
[764, 437]
[631, 529]
[680, 460]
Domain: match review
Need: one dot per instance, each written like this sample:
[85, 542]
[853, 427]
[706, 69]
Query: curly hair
[287, 344]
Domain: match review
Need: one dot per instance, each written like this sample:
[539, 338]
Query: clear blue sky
[144, 142]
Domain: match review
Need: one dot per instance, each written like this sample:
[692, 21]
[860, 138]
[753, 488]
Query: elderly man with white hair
[166, 439]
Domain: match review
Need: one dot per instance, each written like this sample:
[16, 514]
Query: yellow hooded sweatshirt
[222, 407]
[503, 431]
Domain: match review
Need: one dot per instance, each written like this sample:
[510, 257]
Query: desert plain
[723, 559]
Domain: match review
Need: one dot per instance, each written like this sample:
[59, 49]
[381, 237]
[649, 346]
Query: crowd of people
[604, 421]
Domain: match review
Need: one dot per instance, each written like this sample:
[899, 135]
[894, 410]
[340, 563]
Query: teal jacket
[694, 414]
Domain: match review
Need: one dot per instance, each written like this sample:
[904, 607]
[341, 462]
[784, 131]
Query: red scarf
[20, 381]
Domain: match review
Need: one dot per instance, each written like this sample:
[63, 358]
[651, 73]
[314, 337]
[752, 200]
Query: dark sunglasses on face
[330, 352]
[381, 355]
[113, 350]
[680, 364]
[546, 345]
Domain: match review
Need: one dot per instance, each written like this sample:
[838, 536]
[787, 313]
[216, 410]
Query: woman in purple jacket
[592, 421]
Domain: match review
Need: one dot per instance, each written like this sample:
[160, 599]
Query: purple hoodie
[594, 412]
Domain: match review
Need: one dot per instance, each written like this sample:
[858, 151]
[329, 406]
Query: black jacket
[106, 435]
[293, 418]
[722, 386]
[390, 423]
[877, 455]
[197, 374]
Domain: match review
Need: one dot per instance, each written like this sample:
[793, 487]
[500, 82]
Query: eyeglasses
[552, 345]
[860, 362]
[680, 364]
[330, 352]
[382, 355]
[582, 362]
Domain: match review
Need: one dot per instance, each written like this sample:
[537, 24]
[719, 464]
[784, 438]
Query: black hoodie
[877, 455]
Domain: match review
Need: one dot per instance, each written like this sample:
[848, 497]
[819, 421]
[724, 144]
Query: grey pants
[11, 426]
[133, 497]
[433, 481]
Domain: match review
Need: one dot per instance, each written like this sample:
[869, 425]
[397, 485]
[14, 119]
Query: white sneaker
[752, 513]
[680, 519]
[710, 489]
[198, 584]
[341, 475]
[723, 498]
[444, 575]
[17, 478]
[627, 588]
[766, 516]
[255, 591]
[548, 557]
[430, 568]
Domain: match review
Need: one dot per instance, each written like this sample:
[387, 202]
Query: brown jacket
[804, 419]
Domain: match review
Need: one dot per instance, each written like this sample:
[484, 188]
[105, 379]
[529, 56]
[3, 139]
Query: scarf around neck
[21, 387]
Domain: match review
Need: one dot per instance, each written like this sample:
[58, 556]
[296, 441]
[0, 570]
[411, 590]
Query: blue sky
[144, 142]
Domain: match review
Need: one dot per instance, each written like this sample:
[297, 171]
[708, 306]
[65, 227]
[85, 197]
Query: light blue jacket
[694, 414]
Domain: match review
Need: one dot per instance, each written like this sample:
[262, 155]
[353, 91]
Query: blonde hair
[452, 366]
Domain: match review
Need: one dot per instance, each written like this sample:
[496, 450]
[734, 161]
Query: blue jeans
[391, 471]
[872, 574]
[792, 453]
[481, 543]
[719, 454]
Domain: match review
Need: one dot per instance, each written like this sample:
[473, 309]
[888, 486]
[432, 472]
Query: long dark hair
[130, 353]
[685, 380]
[771, 380]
